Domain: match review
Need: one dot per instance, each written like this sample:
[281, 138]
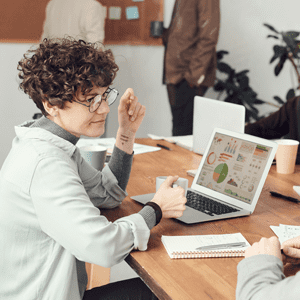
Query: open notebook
[201, 246]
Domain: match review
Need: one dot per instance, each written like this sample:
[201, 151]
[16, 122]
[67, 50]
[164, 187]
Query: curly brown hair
[58, 68]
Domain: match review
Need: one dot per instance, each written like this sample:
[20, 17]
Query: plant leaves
[221, 53]
[224, 68]
[279, 66]
[292, 34]
[258, 102]
[273, 36]
[219, 86]
[243, 81]
[270, 27]
[279, 100]
[290, 94]
[242, 73]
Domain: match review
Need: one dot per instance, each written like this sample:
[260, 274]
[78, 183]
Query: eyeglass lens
[110, 98]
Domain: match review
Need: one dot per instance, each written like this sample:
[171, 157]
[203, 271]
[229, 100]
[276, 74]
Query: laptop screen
[234, 167]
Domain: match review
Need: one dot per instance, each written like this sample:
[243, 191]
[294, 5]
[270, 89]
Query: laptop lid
[234, 168]
[210, 114]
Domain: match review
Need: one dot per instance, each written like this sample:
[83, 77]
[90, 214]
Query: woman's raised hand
[130, 112]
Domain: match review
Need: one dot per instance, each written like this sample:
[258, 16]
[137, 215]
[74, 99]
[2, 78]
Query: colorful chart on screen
[220, 173]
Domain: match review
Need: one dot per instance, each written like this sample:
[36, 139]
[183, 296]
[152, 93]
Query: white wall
[242, 34]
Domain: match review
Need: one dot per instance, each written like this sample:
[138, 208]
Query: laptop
[210, 114]
[229, 179]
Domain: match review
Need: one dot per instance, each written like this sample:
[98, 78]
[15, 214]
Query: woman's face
[78, 120]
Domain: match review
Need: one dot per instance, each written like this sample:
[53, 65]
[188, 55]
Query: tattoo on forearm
[124, 138]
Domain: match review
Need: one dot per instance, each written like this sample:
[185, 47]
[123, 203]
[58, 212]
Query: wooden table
[209, 278]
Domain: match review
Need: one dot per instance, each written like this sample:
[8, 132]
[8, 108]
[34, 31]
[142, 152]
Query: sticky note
[114, 13]
[132, 12]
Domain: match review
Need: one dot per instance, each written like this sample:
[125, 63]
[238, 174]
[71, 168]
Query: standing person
[80, 19]
[190, 57]
[260, 274]
[50, 223]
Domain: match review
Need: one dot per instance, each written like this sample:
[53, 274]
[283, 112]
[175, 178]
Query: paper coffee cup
[183, 182]
[286, 155]
[94, 155]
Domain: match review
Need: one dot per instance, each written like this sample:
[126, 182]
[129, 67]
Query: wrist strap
[157, 209]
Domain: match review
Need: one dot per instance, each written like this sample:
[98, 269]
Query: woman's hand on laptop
[171, 200]
[291, 251]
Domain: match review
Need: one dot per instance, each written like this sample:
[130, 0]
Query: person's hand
[171, 200]
[130, 112]
[269, 246]
[291, 250]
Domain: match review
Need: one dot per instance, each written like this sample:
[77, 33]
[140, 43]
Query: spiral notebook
[201, 246]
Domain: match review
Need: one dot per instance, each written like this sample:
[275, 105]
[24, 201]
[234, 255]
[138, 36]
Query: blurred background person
[190, 57]
[284, 122]
[80, 19]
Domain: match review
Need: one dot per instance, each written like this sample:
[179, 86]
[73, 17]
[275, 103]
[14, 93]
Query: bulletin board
[128, 21]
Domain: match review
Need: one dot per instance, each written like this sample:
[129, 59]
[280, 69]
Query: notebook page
[191, 242]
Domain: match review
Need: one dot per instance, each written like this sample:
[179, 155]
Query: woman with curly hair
[50, 196]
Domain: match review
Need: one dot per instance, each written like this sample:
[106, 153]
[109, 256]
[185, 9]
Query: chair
[97, 275]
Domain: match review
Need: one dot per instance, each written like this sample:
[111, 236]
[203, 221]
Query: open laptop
[231, 173]
[210, 114]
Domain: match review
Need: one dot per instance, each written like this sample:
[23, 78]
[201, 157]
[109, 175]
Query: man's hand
[269, 246]
[291, 250]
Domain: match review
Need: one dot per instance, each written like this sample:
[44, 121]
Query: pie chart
[220, 173]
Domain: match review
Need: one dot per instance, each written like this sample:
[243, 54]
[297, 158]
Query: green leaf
[224, 68]
[290, 94]
[221, 53]
[279, 100]
[219, 86]
[273, 36]
[292, 34]
[258, 102]
[242, 73]
[280, 65]
[270, 27]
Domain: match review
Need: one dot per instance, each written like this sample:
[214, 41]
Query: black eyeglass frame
[104, 96]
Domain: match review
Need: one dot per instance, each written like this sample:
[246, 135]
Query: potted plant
[288, 50]
[236, 88]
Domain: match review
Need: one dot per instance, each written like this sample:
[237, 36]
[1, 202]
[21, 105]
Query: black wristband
[157, 209]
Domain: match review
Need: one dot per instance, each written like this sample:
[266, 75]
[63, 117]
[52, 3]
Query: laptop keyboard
[207, 205]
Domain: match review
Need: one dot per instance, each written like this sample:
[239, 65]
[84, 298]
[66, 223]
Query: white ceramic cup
[94, 155]
[286, 155]
[183, 182]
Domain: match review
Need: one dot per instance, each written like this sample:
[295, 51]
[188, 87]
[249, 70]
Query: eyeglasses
[110, 96]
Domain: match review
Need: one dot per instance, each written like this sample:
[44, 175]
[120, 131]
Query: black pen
[284, 197]
[162, 146]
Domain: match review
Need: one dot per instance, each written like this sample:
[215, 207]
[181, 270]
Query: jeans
[181, 98]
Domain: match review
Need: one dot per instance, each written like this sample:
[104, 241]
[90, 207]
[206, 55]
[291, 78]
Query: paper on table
[285, 232]
[185, 141]
[110, 142]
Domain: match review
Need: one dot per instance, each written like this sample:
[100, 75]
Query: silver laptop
[229, 179]
[210, 114]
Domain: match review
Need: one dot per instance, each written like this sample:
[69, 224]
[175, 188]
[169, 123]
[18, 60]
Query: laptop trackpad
[143, 198]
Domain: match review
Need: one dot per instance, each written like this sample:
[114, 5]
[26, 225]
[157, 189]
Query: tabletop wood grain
[208, 278]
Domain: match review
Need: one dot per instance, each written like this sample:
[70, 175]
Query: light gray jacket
[47, 218]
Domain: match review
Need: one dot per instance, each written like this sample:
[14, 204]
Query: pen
[222, 246]
[162, 146]
[275, 194]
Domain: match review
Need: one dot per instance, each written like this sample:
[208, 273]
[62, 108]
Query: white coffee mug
[183, 182]
[94, 155]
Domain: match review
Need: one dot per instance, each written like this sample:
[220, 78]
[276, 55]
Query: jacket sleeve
[92, 22]
[66, 214]
[276, 125]
[260, 277]
[102, 187]
[208, 33]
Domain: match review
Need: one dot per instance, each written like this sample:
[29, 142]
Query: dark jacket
[282, 123]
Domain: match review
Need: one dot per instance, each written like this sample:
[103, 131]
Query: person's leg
[131, 289]
[181, 98]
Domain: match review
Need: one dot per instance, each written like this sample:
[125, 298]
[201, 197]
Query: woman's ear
[50, 109]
